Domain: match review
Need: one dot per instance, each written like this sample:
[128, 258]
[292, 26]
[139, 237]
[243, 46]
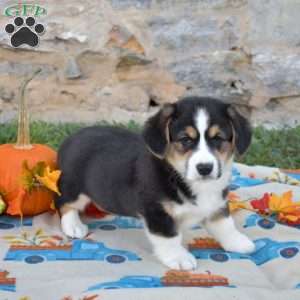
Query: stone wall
[121, 59]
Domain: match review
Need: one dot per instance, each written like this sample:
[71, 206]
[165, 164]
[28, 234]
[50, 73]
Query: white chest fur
[208, 200]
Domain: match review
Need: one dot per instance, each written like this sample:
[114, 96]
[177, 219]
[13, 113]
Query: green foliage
[279, 148]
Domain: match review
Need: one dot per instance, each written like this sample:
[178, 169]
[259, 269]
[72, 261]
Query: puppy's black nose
[204, 169]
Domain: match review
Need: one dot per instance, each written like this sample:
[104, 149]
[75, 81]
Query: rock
[130, 60]
[124, 4]
[279, 72]
[159, 84]
[129, 57]
[21, 69]
[124, 96]
[72, 70]
[191, 34]
[278, 113]
[6, 94]
[215, 75]
[121, 38]
[273, 21]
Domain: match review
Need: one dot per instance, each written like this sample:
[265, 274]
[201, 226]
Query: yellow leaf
[39, 232]
[2, 205]
[236, 205]
[50, 179]
[24, 235]
[9, 237]
[17, 242]
[283, 203]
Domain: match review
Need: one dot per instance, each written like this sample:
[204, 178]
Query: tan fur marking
[226, 151]
[191, 132]
[176, 154]
[213, 131]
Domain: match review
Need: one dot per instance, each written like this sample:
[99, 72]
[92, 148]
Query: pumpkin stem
[23, 139]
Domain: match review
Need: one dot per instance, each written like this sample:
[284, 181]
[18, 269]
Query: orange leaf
[236, 205]
[50, 179]
[283, 203]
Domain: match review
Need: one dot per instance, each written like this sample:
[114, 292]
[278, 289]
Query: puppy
[174, 175]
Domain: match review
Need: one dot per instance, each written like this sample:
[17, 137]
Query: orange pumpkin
[20, 200]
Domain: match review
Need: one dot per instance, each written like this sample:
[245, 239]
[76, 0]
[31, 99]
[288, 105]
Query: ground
[280, 148]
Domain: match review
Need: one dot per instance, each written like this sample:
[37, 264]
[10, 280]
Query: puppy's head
[197, 136]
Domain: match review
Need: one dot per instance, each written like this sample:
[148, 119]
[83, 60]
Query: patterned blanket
[115, 262]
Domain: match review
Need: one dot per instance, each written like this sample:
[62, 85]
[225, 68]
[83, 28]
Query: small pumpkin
[19, 199]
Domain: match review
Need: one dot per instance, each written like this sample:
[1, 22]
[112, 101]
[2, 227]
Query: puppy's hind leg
[166, 242]
[70, 220]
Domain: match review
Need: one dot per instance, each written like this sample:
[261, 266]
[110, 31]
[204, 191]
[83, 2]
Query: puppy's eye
[218, 138]
[186, 141]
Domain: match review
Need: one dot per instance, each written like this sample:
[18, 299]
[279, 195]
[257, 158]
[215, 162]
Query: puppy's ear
[156, 130]
[242, 130]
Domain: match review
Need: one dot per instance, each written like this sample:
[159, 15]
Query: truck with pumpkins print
[170, 279]
[76, 250]
[266, 250]
[7, 283]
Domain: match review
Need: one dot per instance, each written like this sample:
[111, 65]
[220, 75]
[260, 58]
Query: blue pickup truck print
[266, 250]
[78, 250]
[117, 223]
[265, 223]
[7, 283]
[7, 222]
[129, 282]
[255, 219]
[171, 278]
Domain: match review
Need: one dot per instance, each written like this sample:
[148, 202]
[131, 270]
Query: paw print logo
[24, 33]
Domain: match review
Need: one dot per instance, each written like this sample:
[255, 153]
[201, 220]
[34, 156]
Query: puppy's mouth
[209, 178]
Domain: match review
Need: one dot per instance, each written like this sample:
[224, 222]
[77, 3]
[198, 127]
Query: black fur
[242, 130]
[156, 133]
[159, 221]
[126, 173]
[225, 193]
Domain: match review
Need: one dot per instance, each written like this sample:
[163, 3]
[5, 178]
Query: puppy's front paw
[238, 242]
[180, 259]
[73, 227]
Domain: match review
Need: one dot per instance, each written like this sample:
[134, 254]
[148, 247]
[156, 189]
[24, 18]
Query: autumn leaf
[56, 237]
[288, 217]
[233, 196]
[49, 179]
[93, 297]
[24, 235]
[2, 204]
[39, 168]
[262, 204]
[283, 203]
[48, 243]
[9, 237]
[27, 178]
[18, 242]
[39, 232]
[235, 202]
[236, 205]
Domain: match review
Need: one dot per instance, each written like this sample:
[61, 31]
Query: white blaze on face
[202, 154]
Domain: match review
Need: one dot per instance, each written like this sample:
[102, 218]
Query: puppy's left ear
[156, 130]
[242, 130]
